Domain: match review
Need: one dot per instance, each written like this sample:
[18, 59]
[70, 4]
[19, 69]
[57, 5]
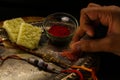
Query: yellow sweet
[12, 27]
[29, 36]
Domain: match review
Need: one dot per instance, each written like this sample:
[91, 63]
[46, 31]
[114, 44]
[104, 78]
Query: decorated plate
[43, 63]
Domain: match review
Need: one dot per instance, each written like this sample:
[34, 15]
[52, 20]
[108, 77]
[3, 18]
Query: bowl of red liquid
[60, 27]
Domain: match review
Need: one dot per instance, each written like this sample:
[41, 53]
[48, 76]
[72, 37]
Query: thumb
[91, 45]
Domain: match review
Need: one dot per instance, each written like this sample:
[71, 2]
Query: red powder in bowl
[59, 31]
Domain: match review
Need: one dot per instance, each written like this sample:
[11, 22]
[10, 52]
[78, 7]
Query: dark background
[16, 8]
[110, 64]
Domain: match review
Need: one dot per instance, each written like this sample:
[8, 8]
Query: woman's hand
[106, 15]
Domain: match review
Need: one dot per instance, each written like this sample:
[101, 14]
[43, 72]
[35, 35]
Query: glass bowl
[60, 27]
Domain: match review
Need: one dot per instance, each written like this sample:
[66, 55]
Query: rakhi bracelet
[11, 56]
[86, 69]
[74, 71]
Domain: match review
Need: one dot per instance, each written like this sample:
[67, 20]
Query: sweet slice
[29, 36]
[12, 27]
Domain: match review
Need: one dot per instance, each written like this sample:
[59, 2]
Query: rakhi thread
[93, 75]
[11, 56]
[74, 71]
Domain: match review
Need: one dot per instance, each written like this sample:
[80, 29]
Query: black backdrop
[15, 8]
[110, 64]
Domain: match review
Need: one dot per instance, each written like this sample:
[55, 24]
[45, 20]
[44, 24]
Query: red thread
[59, 31]
[70, 55]
[74, 71]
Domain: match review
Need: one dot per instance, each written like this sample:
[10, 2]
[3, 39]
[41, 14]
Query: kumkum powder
[72, 56]
[59, 31]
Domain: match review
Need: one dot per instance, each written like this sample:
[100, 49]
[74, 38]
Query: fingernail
[90, 33]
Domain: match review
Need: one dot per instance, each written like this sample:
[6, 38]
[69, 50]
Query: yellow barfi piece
[12, 27]
[29, 36]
